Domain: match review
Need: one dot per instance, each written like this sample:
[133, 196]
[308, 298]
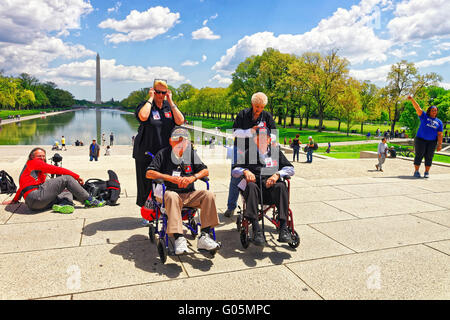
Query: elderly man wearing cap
[268, 164]
[180, 166]
[245, 124]
[94, 151]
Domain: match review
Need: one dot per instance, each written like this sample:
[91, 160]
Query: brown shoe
[376, 166]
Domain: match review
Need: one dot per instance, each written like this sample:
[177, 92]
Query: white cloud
[35, 57]
[189, 63]
[350, 31]
[420, 19]
[81, 73]
[204, 33]
[402, 53]
[445, 85]
[115, 8]
[435, 62]
[176, 37]
[141, 26]
[22, 21]
[221, 80]
[379, 74]
[210, 18]
[204, 58]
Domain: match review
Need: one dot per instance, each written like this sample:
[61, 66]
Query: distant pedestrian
[63, 143]
[94, 151]
[382, 154]
[103, 139]
[309, 150]
[111, 139]
[108, 151]
[296, 147]
[329, 148]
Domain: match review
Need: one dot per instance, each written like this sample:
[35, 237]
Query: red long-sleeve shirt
[34, 174]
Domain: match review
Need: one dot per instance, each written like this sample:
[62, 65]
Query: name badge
[269, 162]
[156, 115]
[176, 173]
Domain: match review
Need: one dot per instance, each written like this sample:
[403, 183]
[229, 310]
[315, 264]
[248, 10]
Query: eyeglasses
[160, 92]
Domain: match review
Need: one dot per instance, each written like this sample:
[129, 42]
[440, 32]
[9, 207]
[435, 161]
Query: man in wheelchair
[180, 166]
[266, 162]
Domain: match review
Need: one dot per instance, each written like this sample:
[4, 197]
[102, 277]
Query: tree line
[313, 85]
[27, 92]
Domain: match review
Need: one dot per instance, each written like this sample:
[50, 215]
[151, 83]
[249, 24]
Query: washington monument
[98, 89]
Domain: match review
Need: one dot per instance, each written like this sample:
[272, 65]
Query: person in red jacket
[57, 193]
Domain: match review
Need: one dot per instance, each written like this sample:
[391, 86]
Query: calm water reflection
[83, 125]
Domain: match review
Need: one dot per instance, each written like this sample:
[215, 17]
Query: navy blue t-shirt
[429, 127]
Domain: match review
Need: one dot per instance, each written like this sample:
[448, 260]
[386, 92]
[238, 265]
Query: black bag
[7, 184]
[316, 146]
[108, 191]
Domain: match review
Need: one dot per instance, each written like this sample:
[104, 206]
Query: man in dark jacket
[264, 164]
[246, 122]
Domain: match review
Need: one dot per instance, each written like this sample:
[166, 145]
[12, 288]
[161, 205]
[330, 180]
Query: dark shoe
[285, 235]
[228, 213]
[258, 239]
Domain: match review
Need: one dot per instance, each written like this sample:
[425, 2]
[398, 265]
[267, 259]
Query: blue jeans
[296, 150]
[309, 155]
[233, 193]
[92, 157]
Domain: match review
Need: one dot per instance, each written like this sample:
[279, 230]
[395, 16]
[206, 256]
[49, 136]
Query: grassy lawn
[352, 152]
[318, 137]
[5, 113]
[330, 125]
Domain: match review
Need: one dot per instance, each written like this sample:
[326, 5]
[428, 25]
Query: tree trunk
[362, 125]
[339, 125]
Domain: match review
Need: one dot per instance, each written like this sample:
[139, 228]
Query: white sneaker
[181, 246]
[205, 242]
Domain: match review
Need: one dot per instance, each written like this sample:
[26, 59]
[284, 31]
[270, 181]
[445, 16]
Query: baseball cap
[178, 133]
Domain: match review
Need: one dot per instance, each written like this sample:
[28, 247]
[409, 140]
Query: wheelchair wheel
[295, 240]
[194, 226]
[162, 250]
[239, 223]
[151, 233]
[245, 241]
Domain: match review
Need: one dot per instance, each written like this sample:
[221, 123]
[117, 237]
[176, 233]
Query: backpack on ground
[108, 191]
[7, 184]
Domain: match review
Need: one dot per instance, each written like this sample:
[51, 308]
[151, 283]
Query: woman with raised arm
[157, 117]
[428, 137]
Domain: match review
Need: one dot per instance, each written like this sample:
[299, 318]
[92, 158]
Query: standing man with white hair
[245, 124]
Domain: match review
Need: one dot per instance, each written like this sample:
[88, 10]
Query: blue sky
[202, 41]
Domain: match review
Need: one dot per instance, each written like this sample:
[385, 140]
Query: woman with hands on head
[428, 137]
[157, 117]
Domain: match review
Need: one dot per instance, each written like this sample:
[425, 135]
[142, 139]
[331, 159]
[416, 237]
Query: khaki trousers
[204, 200]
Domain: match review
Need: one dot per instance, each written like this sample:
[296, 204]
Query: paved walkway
[364, 235]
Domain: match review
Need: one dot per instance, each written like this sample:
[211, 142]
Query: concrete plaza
[364, 235]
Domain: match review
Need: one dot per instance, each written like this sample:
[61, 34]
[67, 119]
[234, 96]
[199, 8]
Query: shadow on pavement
[144, 254]
[114, 224]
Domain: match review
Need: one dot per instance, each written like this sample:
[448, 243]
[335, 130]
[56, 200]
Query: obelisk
[98, 89]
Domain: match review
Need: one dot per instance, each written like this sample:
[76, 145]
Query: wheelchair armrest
[159, 181]
[287, 178]
[205, 179]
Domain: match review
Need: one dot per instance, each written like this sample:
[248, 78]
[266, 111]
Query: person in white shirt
[382, 154]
